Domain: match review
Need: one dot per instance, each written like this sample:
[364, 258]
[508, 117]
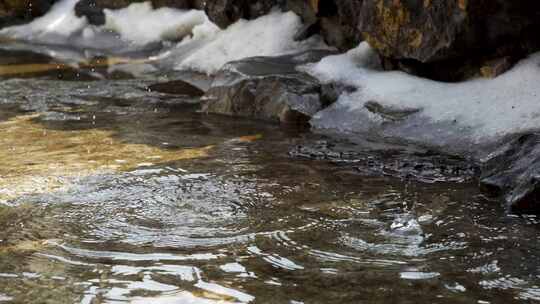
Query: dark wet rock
[423, 166]
[14, 12]
[389, 113]
[268, 88]
[449, 39]
[494, 68]
[513, 171]
[225, 12]
[330, 92]
[176, 87]
[336, 21]
[339, 21]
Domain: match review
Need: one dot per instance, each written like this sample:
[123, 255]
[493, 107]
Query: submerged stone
[20, 11]
[389, 113]
[268, 88]
[176, 87]
[379, 159]
[449, 40]
[513, 171]
[226, 12]
[93, 9]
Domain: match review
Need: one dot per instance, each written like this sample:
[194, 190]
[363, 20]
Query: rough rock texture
[226, 12]
[338, 22]
[21, 11]
[514, 172]
[335, 20]
[440, 39]
[268, 88]
[396, 161]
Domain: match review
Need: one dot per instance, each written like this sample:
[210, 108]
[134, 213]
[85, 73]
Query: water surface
[110, 193]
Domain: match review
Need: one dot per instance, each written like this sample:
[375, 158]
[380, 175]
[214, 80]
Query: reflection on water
[110, 193]
[40, 160]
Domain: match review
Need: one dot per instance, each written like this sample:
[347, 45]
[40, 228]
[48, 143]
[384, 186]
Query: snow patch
[269, 35]
[141, 24]
[193, 42]
[461, 115]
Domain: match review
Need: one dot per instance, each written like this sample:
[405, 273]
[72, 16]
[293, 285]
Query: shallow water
[110, 193]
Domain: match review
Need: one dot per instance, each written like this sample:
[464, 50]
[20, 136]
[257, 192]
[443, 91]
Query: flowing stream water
[111, 193]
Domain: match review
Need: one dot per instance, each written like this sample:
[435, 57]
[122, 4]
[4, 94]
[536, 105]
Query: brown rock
[513, 172]
[450, 39]
[496, 67]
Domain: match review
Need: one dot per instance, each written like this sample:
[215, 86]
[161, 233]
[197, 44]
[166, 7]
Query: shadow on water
[110, 193]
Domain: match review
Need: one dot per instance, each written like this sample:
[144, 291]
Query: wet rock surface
[445, 40]
[268, 88]
[513, 171]
[419, 165]
[335, 21]
[226, 12]
[176, 87]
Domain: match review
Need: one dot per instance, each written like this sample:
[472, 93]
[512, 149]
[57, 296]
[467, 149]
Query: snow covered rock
[268, 88]
[514, 172]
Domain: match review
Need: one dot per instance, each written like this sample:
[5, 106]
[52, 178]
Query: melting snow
[447, 114]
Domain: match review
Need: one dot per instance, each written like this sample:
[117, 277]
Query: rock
[225, 12]
[513, 171]
[176, 87]
[267, 88]
[439, 38]
[13, 12]
[339, 21]
[389, 113]
[93, 9]
[496, 67]
[336, 21]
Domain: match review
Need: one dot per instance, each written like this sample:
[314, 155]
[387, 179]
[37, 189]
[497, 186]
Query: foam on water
[467, 113]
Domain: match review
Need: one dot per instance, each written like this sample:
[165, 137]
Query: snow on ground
[472, 112]
[269, 35]
[198, 44]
